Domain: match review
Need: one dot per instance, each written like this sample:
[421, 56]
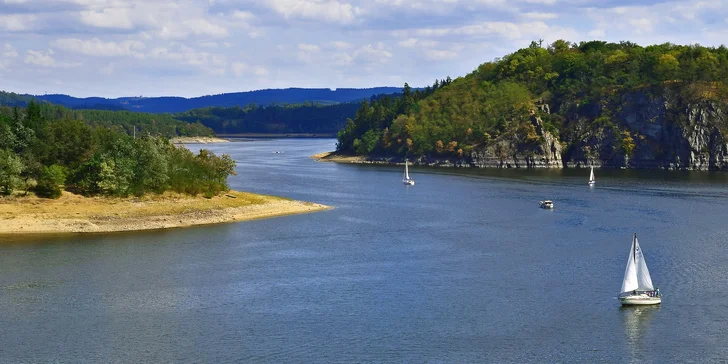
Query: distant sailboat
[406, 179]
[637, 286]
[592, 181]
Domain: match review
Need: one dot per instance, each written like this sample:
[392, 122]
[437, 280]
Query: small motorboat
[546, 204]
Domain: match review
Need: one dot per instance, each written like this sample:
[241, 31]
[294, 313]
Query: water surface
[462, 267]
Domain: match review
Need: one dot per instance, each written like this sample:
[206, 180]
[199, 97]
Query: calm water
[459, 268]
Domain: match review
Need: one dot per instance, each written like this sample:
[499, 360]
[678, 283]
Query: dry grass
[74, 213]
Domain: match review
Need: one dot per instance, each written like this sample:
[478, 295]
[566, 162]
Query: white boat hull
[409, 182]
[639, 300]
[592, 183]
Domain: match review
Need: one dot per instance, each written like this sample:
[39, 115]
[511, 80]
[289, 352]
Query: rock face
[546, 153]
[638, 130]
[649, 131]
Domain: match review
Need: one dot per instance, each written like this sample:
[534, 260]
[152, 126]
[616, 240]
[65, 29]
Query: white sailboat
[406, 179]
[637, 286]
[592, 181]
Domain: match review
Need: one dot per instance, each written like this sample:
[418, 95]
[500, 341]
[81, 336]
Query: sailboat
[592, 181]
[406, 179]
[637, 286]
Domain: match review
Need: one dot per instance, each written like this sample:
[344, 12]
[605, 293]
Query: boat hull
[409, 183]
[639, 300]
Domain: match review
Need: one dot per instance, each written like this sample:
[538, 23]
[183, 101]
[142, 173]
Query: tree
[10, 168]
[51, 182]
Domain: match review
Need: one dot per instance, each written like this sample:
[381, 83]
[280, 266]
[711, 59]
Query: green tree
[51, 181]
[10, 168]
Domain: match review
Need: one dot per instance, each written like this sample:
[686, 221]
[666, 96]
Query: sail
[591, 175]
[406, 171]
[644, 281]
[630, 281]
[636, 275]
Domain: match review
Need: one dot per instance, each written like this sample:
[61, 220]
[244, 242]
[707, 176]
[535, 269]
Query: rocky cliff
[639, 129]
[644, 130]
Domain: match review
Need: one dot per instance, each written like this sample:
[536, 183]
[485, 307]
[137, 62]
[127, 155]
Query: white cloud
[440, 55]
[178, 46]
[540, 16]
[115, 18]
[9, 51]
[17, 22]
[309, 47]
[45, 59]
[340, 45]
[199, 27]
[99, 48]
[331, 11]
[239, 68]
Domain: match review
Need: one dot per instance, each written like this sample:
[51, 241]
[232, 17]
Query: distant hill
[323, 96]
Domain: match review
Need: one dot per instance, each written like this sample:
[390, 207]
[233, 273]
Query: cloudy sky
[195, 47]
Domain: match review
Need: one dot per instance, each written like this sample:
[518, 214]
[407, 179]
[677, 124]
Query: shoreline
[198, 140]
[76, 214]
[279, 135]
[488, 163]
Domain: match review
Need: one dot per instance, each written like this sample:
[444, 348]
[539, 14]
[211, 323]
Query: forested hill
[276, 119]
[123, 121]
[567, 104]
[181, 104]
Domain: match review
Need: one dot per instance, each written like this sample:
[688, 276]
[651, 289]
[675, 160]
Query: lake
[463, 267]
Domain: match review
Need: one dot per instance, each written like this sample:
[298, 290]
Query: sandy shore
[197, 140]
[332, 157]
[76, 214]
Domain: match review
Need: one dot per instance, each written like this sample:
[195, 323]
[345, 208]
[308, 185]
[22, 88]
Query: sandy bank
[197, 140]
[76, 214]
[333, 157]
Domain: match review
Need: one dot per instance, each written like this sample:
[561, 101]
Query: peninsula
[77, 214]
[600, 104]
[116, 173]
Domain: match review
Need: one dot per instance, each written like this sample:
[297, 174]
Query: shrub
[51, 182]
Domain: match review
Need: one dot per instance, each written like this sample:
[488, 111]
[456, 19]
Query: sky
[188, 48]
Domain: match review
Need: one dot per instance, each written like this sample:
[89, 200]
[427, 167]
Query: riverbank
[278, 135]
[77, 214]
[197, 140]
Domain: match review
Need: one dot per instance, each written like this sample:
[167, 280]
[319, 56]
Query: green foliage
[295, 118]
[51, 182]
[10, 168]
[585, 81]
[49, 152]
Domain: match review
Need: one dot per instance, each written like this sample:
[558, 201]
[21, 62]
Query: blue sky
[196, 47]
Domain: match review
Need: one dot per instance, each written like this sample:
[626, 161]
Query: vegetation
[496, 102]
[302, 118]
[322, 96]
[44, 149]
[132, 123]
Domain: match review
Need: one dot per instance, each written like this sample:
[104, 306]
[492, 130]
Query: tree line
[44, 150]
[498, 99]
[294, 118]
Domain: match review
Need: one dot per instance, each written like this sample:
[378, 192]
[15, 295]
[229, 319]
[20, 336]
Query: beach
[77, 214]
[197, 140]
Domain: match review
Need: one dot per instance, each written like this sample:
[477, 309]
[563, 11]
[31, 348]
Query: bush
[51, 182]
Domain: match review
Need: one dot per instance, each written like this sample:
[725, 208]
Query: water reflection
[636, 323]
